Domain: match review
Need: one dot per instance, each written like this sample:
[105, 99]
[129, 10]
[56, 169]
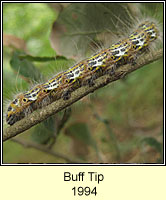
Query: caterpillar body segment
[139, 41]
[121, 51]
[49, 91]
[54, 82]
[87, 69]
[83, 73]
[72, 79]
[75, 72]
[76, 76]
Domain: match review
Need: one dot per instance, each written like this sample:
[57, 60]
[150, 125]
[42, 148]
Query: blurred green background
[120, 123]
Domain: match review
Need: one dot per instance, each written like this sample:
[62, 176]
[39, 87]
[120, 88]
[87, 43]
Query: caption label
[83, 177]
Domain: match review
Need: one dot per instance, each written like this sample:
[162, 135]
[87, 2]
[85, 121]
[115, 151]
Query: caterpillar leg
[132, 61]
[90, 82]
[111, 70]
[123, 75]
[67, 94]
[147, 50]
[96, 75]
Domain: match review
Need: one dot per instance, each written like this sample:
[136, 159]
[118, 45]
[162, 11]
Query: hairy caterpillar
[83, 73]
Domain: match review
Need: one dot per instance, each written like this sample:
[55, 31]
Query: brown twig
[42, 114]
[44, 149]
[59, 125]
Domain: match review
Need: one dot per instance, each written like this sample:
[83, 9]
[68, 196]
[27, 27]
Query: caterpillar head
[22, 105]
[16, 109]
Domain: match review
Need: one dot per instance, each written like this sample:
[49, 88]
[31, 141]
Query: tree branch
[44, 149]
[42, 114]
[59, 125]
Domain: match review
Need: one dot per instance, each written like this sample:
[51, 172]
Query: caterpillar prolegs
[85, 72]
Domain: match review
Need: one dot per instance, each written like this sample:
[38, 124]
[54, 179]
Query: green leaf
[81, 132]
[24, 67]
[78, 25]
[43, 132]
[153, 143]
[41, 59]
[113, 142]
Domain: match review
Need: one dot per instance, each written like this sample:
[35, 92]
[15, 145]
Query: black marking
[92, 63]
[15, 101]
[123, 49]
[100, 60]
[66, 95]
[70, 75]
[9, 108]
[55, 84]
[77, 72]
[115, 52]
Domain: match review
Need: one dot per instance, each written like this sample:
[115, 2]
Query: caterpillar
[84, 73]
